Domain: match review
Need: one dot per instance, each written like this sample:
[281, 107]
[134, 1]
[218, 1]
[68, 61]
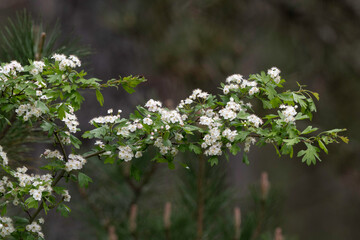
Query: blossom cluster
[38, 183]
[289, 113]
[35, 227]
[64, 62]
[66, 196]
[28, 110]
[106, 119]
[4, 157]
[236, 81]
[70, 120]
[38, 67]
[75, 162]
[231, 110]
[197, 94]
[4, 184]
[11, 68]
[52, 154]
[274, 73]
[125, 153]
[6, 226]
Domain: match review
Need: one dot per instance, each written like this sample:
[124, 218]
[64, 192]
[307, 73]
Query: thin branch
[200, 198]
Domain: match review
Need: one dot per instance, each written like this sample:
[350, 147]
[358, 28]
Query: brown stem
[167, 220]
[137, 189]
[261, 220]
[237, 222]
[40, 46]
[200, 198]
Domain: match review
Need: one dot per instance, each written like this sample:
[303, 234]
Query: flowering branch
[47, 92]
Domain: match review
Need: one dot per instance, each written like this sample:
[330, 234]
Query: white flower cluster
[212, 140]
[28, 110]
[138, 154]
[38, 67]
[248, 142]
[230, 135]
[35, 228]
[289, 112]
[4, 157]
[165, 149]
[65, 139]
[100, 144]
[11, 68]
[171, 116]
[6, 226]
[255, 120]
[153, 106]
[274, 73]
[70, 120]
[148, 121]
[39, 183]
[72, 61]
[5, 183]
[52, 154]
[75, 162]
[125, 153]
[106, 119]
[236, 81]
[66, 196]
[196, 94]
[205, 120]
[231, 109]
[129, 128]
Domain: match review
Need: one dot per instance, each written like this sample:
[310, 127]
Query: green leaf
[42, 106]
[322, 146]
[286, 96]
[291, 141]
[99, 97]
[31, 203]
[46, 208]
[84, 180]
[130, 82]
[63, 209]
[310, 154]
[135, 173]
[308, 130]
[316, 95]
[48, 127]
[213, 161]
[20, 220]
[75, 141]
[58, 190]
[195, 149]
[245, 159]
[344, 139]
[61, 111]
[266, 104]
[235, 149]
[241, 135]
[3, 209]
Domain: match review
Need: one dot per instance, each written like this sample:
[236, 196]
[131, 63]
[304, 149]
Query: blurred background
[179, 45]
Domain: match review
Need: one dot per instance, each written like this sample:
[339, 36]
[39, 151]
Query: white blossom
[153, 106]
[4, 157]
[255, 120]
[274, 73]
[125, 153]
[75, 162]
